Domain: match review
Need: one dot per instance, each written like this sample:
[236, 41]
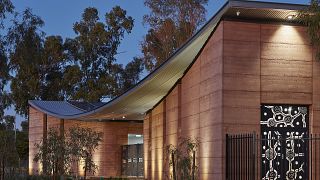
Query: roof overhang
[133, 104]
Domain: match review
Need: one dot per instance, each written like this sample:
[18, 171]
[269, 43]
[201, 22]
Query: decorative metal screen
[284, 151]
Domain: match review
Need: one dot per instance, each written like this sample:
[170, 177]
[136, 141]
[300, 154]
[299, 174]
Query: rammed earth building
[247, 85]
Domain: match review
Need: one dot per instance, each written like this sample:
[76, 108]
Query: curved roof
[148, 92]
[64, 108]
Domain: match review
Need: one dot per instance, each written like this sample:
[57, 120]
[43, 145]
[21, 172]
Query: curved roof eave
[136, 101]
[149, 91]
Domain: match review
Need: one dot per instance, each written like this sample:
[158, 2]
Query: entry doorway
[132, 157]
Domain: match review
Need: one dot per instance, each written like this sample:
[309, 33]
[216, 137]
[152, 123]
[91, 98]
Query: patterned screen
[283, 148]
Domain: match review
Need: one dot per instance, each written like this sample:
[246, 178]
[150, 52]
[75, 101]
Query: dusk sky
[59, 16]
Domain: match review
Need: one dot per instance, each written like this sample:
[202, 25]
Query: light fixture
[123, 117]
[238, 13]
[290, 17]
[138, 135]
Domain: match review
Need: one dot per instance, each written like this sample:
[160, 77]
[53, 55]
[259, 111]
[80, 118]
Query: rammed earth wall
[243, 65]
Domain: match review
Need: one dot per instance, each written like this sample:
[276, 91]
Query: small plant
[56, 153]
[82, 144]
[183, 159]
[53, 154]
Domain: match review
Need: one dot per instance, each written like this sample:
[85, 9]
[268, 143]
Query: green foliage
[311, 18]
[53, 154]
[93, 51]
[128, 76]
[57, 152]
[22, 145]
[25, 126]
[7, 123]
[25, 60]
[8, 154]
[171, 22]
[182, 159]
[82, 144]
[82, 68]
[5, 7]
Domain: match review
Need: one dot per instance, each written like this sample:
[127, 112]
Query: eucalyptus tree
[93, 53]
[172, 23]
[31, 60]
[6, 7]
[82, 68]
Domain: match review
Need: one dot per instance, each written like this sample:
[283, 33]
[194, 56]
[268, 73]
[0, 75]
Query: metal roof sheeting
[64, 108]
[148, 92]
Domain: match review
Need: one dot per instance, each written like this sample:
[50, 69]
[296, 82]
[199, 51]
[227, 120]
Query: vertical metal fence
[247, 158]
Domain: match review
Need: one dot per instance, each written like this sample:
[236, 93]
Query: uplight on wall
[291, 17]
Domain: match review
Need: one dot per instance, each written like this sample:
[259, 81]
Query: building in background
[44, 115]
[250, 69]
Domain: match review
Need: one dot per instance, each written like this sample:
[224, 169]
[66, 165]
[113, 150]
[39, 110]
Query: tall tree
[4, 77]
[80, 68]
[8, 153]
[37, 62]
[171, 22]
[126, 77]
[25, 59]
[131, 73]
[93, 51]
[5, 8]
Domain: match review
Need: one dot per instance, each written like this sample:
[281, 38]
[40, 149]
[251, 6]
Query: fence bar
[244, 156]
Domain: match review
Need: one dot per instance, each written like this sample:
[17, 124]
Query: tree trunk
[3, 168]
[85, 168]
[193, 164]
[173, 167]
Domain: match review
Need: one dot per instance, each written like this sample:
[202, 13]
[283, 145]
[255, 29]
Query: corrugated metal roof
[64, 108]
[86, 106]
[148, 92]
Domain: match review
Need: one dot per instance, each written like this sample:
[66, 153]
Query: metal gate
[244, 158]
[284, 149]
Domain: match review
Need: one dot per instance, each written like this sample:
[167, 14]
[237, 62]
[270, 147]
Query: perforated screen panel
[283, 148]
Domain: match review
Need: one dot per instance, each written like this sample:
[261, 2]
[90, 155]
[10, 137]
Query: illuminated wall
[108, 154]
[242, 66]
[191, 109]
[35, 136]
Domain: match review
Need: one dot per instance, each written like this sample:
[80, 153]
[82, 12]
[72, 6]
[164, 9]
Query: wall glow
[30, 161]
[286, 33]
[97, 160]
[39, 168]
[80, 167]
